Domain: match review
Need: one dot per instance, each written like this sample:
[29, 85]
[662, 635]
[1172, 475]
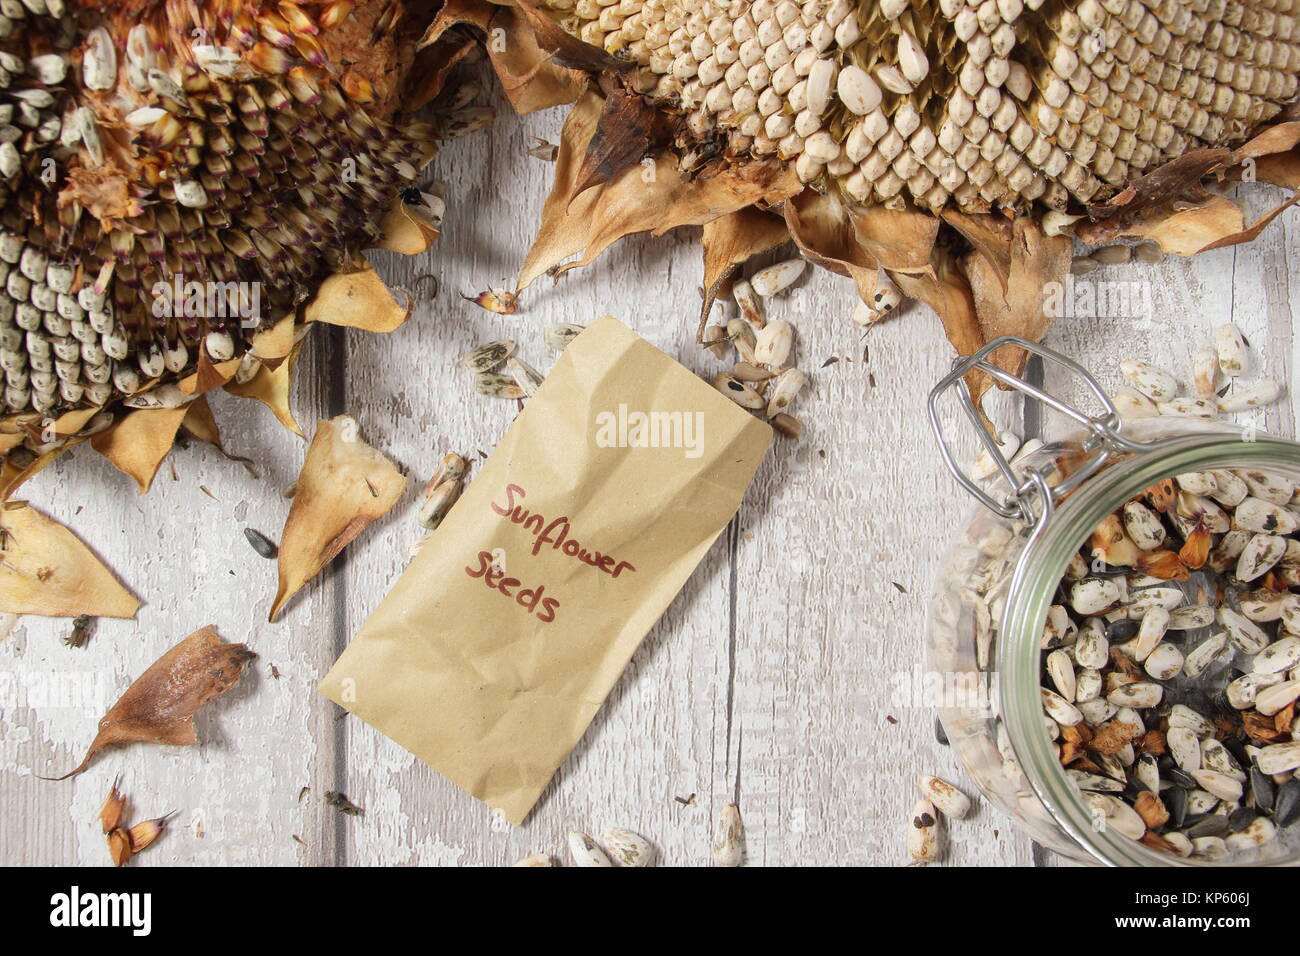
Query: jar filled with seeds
[1115, 638]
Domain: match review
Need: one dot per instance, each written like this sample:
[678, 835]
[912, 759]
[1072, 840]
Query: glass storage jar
[1000, 578]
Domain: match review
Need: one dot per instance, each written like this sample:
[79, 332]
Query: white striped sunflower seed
[744, 340]
[1219, 784]
[751, 306]
[1281, 655]
[1230, 345]
[945, 797]
[1061, 671]
[729, 842]
[1204, 654]
[1060, 709]
[1094, 595]
[1245, 635]
[777, 277]
[773, 344]
[559, 336]
[739, 392]
[1259, 555]
[487, 357]
[1205, 373]
[1279, 758]
[1164, 662]
[496, 385]
[1132, 404]
[784, 390]
[1190, 617]
[1270, 700]
[1263, 392]
[1188, 408]
[1153, 382]
[525, 376]
[1185, 748]
[1139, 695]
[627, 848]
[924, 841]
[586, 851]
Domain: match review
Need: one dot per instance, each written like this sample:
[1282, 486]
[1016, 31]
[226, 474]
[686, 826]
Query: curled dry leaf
[272, 387]
[137, 443]
[404, 229]
[159, 707]
[358, 300]
[728, 242]
[499, 301]
[344, 485]
[653, 195]
[45, 569]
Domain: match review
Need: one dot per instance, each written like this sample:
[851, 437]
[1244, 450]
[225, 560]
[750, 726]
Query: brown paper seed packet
[501, 640]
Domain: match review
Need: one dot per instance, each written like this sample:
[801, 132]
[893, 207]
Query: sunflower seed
[944, 796]
[1164, 662]
[1153, 382]
[784, 390]
[525, 376]
[773, 344]
[1263, 392]
[1279, 758]
[1219, 784]
[1244, 634]
[1060, 709]
[437, 503]
[1139, 695]
[559, 336]
[1205, 372]
[1231, 347]
[778, 277]
[751, 306]
[536, 859]
[585, 851]
[1270, 700]
[627, 848]
[487, 357]
[496, 385]
[1204, 654]
[729, 843]
[260, 543]
[739, 392]
[924, 841]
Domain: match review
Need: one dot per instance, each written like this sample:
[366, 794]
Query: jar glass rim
[1039, 572]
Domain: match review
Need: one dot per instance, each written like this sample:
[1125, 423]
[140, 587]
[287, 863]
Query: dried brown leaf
[45, 569]
[824, 232]
[344, 485]
[403, 229]
[159, 707]
[650, 197]
[137, 443]
[358, 300]
[273, 387]
[200, 422]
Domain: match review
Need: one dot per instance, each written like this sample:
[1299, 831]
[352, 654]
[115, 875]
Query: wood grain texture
[778, 676]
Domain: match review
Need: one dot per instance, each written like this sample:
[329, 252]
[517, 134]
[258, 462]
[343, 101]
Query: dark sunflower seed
[261, 543]
[1212, 824]
[1263, 789]
[1286, 805]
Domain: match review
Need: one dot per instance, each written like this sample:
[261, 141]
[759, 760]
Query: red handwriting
[556, 534]
[528, 598]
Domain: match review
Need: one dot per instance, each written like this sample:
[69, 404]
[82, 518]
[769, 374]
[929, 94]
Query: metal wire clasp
[1103, 439]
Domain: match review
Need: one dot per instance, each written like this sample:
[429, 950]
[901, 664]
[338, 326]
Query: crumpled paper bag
[497, 645]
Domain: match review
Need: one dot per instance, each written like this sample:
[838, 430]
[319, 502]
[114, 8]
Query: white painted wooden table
[774, 677]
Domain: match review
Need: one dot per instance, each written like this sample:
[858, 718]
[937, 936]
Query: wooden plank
[184, 553]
